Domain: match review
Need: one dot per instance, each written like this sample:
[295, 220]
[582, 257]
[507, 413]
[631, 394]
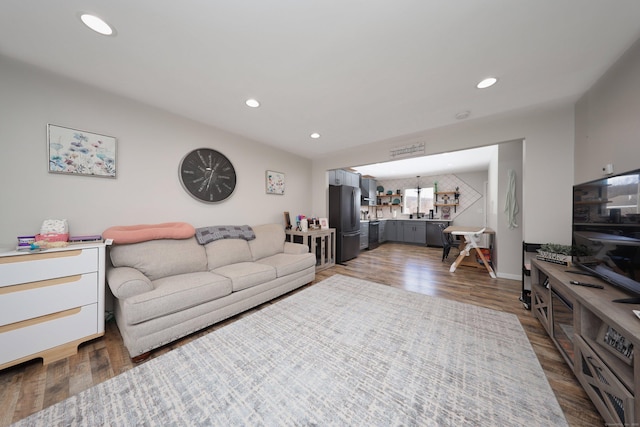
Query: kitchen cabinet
[368, 191]
[343, 177]
[382, 237]
[414, 232]
[394, 231]
[433, 233]
[364, 235]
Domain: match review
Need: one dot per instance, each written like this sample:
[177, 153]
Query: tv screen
[606, 229]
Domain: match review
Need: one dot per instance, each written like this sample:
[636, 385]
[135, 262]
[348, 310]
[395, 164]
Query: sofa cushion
[286, 264]
[245, 275]
[161, 258]
[269, 241]
[227, 251]
[176, 293]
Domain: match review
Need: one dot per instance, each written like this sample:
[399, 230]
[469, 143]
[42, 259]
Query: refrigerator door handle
[354, 208]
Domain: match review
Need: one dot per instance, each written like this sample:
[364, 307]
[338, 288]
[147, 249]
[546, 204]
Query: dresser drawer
[35, 299]
[47, 265]
[19, 340]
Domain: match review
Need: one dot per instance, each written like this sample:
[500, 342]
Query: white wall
[608, 121]
[151, 144]
[547, 166]
[508, 260]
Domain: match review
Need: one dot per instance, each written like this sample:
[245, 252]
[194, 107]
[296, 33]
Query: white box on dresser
[50, 302]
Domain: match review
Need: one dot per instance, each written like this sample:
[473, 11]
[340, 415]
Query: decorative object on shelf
[396, 201]
[78, 152]
[287, 221]
[558, 254]
[435, 187]
[207, 175]
[618, 342]
[446, 212]
[324, 223]
[380, 189]
[275, 182]
[299, 219]
[456, 195]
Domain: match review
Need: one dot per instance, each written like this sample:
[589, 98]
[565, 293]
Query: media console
[596, 336]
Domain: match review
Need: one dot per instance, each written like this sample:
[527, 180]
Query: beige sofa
[166, 289]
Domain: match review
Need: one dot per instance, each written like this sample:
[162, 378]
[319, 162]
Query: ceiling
[355, 71]
[476, 159]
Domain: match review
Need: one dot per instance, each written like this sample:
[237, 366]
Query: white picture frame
[78, 152]
[274, 182]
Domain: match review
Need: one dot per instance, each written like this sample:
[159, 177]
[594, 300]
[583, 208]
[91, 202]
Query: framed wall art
[78, 152]
[275, 182]
[287, 221]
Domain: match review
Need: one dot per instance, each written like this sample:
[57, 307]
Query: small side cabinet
[50, 302]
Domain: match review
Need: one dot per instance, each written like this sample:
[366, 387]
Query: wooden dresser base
[53, 354]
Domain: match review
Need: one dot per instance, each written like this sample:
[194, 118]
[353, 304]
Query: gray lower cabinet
[364, 235]
[433, 233]
[414, 232]
[393, 231]
[381, 231]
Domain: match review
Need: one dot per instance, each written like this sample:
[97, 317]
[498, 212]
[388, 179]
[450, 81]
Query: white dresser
[50, 302]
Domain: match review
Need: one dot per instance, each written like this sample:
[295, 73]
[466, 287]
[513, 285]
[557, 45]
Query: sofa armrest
[295, 248]
[126, 282]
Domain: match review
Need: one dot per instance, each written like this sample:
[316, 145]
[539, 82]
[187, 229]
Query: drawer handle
[41, 319]
[41, 284]
[38, 257]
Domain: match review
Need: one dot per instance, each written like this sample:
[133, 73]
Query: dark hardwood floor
[30, 387]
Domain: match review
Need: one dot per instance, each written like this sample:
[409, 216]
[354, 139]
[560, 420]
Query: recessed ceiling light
[253, 103]
[97, 24]
[488, 82]
[315, 135]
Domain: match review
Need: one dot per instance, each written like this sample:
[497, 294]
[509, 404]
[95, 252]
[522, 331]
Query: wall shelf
[444, 196]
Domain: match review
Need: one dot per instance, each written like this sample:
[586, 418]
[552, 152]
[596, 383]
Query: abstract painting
[275, 182]
[79, 152]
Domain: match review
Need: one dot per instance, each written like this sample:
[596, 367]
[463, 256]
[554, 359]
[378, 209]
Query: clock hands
[208, 175]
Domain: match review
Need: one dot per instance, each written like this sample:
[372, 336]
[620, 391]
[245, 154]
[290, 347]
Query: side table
[321, 242]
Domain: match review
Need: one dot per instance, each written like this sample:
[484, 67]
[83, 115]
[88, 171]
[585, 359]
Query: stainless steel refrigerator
[344, 216]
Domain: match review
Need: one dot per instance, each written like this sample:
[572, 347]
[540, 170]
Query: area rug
[342, 352]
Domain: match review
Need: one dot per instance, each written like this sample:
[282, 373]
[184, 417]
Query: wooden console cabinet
[321, 242]
[596, 336]
[50, 302]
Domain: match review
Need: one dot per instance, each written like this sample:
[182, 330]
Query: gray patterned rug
[342, 352]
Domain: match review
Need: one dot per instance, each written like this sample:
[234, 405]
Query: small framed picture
[274, 182]
[78, 152]
[287, 221]
[324, 223]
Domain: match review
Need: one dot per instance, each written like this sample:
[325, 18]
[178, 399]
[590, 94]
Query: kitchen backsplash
[448, 182]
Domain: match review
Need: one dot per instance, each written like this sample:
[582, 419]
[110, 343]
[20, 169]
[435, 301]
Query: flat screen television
[606, 230]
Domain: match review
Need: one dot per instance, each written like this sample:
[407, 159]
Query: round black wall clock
[207, 175]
